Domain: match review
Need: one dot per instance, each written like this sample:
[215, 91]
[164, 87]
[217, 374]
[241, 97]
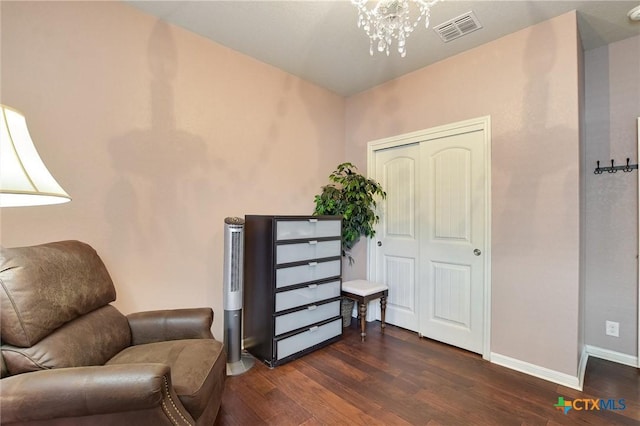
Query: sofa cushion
[43, 287]
[3, 367]
[198, 368]
[89, 340]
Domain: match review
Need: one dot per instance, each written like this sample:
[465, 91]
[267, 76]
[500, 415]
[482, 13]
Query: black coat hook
[613, 168]
[598, 170]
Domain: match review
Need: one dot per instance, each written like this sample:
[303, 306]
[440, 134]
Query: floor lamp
[24, 179]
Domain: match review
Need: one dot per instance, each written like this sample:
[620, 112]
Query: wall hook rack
[613, 168]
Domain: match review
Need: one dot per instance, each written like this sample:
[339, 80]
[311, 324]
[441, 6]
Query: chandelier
[391, 20]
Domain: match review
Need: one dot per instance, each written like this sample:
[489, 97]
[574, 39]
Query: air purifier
[238, 362]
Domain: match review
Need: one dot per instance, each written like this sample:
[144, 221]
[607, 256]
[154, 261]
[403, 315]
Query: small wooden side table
[362, 292]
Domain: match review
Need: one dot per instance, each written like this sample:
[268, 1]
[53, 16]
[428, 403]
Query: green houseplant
[352, 196]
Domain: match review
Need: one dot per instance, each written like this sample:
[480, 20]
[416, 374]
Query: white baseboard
[582, 366]
[612, 356]
[544, 373]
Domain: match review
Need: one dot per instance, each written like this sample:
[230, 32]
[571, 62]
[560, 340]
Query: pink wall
[528, 82]
[158, 135]
[613, 105]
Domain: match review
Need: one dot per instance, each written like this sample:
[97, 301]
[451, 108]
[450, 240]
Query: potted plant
[352, 196]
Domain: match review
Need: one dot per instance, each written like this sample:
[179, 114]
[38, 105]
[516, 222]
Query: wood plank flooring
[397, 378]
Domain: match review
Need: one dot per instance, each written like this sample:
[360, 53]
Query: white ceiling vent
[458, 26]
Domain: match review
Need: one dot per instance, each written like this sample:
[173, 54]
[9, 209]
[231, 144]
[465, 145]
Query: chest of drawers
[292, 281]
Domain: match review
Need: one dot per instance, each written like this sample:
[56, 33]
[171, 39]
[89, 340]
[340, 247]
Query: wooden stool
[363, 291]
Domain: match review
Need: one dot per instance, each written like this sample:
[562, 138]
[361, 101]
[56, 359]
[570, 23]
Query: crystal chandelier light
[391, 20]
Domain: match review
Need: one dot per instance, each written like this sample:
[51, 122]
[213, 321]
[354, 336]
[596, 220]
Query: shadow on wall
[160, 169]
[535, 208]
[537, 171]
[253, 146]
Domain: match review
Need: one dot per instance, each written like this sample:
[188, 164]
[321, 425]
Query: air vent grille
[236, 261]
[458, 27]
[233, 263]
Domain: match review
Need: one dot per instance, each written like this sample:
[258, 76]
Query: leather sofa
[71, 358]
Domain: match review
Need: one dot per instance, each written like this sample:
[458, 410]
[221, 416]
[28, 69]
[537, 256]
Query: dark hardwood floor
[400, 379]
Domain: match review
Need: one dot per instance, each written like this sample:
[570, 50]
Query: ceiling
[319, 40]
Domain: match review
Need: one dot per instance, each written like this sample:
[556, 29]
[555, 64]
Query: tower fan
[237, 361]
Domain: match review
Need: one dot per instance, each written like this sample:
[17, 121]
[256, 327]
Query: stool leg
[383, 311]
[363, 320]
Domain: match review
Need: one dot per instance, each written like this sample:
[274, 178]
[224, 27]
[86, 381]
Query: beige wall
[158, 135]
[528, 82]
[612, 108]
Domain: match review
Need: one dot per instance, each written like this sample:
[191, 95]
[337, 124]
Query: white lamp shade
[24, 179]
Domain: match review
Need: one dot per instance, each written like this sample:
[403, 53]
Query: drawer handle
[313, 264]
[312, 329]
[314, 242]
[312, 307]
[313, 220]
[312, 286]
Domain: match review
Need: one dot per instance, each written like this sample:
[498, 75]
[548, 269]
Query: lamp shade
[24, 179]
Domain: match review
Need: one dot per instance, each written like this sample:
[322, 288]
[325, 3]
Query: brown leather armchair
[71, 358]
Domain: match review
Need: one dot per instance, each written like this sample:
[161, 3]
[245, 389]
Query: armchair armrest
[117, 390]
[176, 324]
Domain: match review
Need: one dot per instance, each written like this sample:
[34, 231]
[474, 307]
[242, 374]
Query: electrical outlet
[612, 328]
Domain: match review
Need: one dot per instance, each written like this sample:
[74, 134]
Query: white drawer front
[311, 228]
[305, 295]
[306, 339]
[307, 316]
[310, 272]
[313, 249]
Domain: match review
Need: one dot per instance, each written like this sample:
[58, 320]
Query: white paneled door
[431, 243]
[398, 236]
[452, 240]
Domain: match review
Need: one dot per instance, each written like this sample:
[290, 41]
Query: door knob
[379, 243]
[477, 252]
